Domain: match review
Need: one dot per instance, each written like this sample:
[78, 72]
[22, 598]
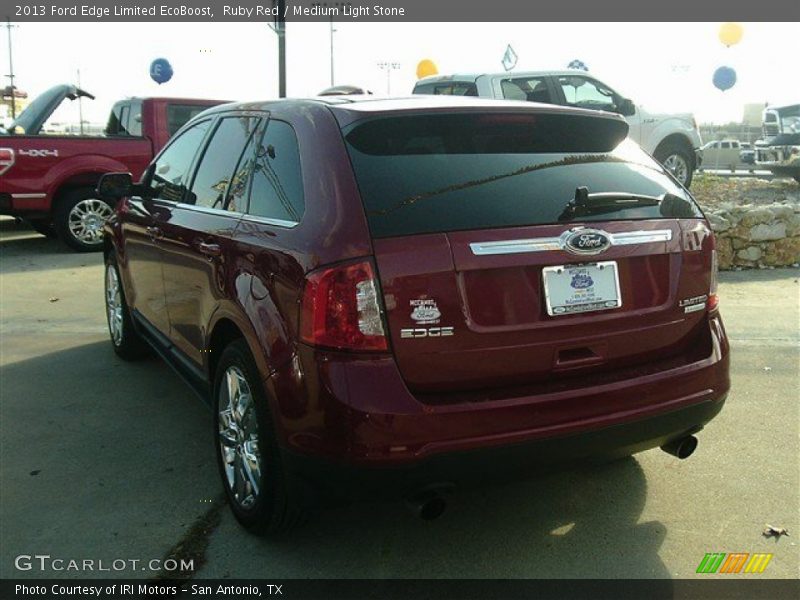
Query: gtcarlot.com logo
[734, 562]
[45, 562]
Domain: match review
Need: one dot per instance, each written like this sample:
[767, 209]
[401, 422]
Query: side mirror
[626, 107]
[115, 186]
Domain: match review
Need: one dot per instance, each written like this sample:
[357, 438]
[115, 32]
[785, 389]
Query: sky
[663, 66]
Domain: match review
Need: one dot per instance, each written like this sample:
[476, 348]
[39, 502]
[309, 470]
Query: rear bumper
[343, 418]
[318, 479]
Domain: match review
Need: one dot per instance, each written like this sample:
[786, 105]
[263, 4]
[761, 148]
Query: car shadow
[24, 250]
[579, 523]
[126, 446]
[100, 458]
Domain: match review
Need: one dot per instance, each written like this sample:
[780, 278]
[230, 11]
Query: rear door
[198, 252]
[489, 280]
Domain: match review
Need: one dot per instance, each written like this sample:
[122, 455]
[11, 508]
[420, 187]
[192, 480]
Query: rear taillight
[341, 309]
[713, 299]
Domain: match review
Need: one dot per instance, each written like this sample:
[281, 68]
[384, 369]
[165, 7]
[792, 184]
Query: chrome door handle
[155, 233]
[209, 249]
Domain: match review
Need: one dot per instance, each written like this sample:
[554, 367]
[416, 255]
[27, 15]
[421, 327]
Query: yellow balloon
[426, 68]
[730, 33]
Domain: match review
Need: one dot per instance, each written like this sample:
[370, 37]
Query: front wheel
[247, 451]
[79, 218]
[677, 160]
[127, 343]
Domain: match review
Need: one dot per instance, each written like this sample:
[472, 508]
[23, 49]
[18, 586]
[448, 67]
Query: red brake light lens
[713, 300]
[341, 309]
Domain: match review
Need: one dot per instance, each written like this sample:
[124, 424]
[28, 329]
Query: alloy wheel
[677, 165]
[238, 437]
[114, 305]
[86, 220]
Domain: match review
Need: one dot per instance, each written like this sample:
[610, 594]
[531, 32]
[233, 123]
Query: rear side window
[180, 114]
[171, 169]
[277, 188]
[588, 93]
[530, 89]
[435, 173]
[447, 88]
[219, 160]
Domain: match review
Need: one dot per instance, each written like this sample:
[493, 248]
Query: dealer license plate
[571, 289]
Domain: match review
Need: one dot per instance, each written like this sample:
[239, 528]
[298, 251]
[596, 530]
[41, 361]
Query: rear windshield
[450, 172]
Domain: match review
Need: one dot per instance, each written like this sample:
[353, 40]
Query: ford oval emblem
[586, 241]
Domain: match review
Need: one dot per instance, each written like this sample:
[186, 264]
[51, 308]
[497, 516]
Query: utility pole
[388, 66]
[10, 75]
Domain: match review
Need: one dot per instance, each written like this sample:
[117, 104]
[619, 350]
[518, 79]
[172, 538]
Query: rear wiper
[597, 203]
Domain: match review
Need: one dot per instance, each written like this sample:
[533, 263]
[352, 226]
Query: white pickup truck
[673, 139]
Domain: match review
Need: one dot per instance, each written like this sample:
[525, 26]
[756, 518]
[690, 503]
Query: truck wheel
[127, 343]
[677, 160]
[43, 226]
[79, 218]
[247, 452]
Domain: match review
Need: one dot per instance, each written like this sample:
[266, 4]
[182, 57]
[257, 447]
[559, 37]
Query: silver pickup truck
[779, 151]
[673, 138]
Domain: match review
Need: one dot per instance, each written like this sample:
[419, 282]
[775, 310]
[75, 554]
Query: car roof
[351, 108]
[504, 74]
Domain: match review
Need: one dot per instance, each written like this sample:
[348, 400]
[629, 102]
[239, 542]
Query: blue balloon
[160, 70]
[724, 78]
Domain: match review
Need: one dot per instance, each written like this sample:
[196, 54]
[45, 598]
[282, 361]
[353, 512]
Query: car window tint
[236, 200]
[171, 170]
[453, 88]
[180, 114]
[277, 188]
[219, 160]
[586, 93]
[451, 172]
[530, 89]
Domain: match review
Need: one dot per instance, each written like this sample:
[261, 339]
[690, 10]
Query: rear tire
[248, 457]
[126, 342]
[79, 217]
[678, 160]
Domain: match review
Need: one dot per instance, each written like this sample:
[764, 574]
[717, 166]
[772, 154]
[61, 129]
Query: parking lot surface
[106, 460]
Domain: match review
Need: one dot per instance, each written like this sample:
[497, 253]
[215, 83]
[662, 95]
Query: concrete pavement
[103, 459]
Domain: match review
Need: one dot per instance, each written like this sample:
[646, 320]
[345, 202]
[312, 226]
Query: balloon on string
[724, 78]
[426, 68]
[160, 70]
[730, 33]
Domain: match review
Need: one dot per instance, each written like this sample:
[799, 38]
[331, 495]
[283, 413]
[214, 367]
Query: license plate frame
[594, 288]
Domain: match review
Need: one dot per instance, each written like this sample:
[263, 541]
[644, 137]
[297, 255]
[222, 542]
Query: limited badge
[425, 312]
[694, 304]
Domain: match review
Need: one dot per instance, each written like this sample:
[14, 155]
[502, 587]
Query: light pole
[10, 75]
[279, 27]
[388, 66]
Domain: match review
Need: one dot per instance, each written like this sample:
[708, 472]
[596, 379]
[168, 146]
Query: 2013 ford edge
[404, 296]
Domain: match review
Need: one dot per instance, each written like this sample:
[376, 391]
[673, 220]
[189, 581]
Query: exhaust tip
[427, 506]
[681, 448]
[432, 509]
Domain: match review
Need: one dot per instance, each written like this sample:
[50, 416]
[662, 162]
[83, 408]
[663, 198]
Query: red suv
[406, 296]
